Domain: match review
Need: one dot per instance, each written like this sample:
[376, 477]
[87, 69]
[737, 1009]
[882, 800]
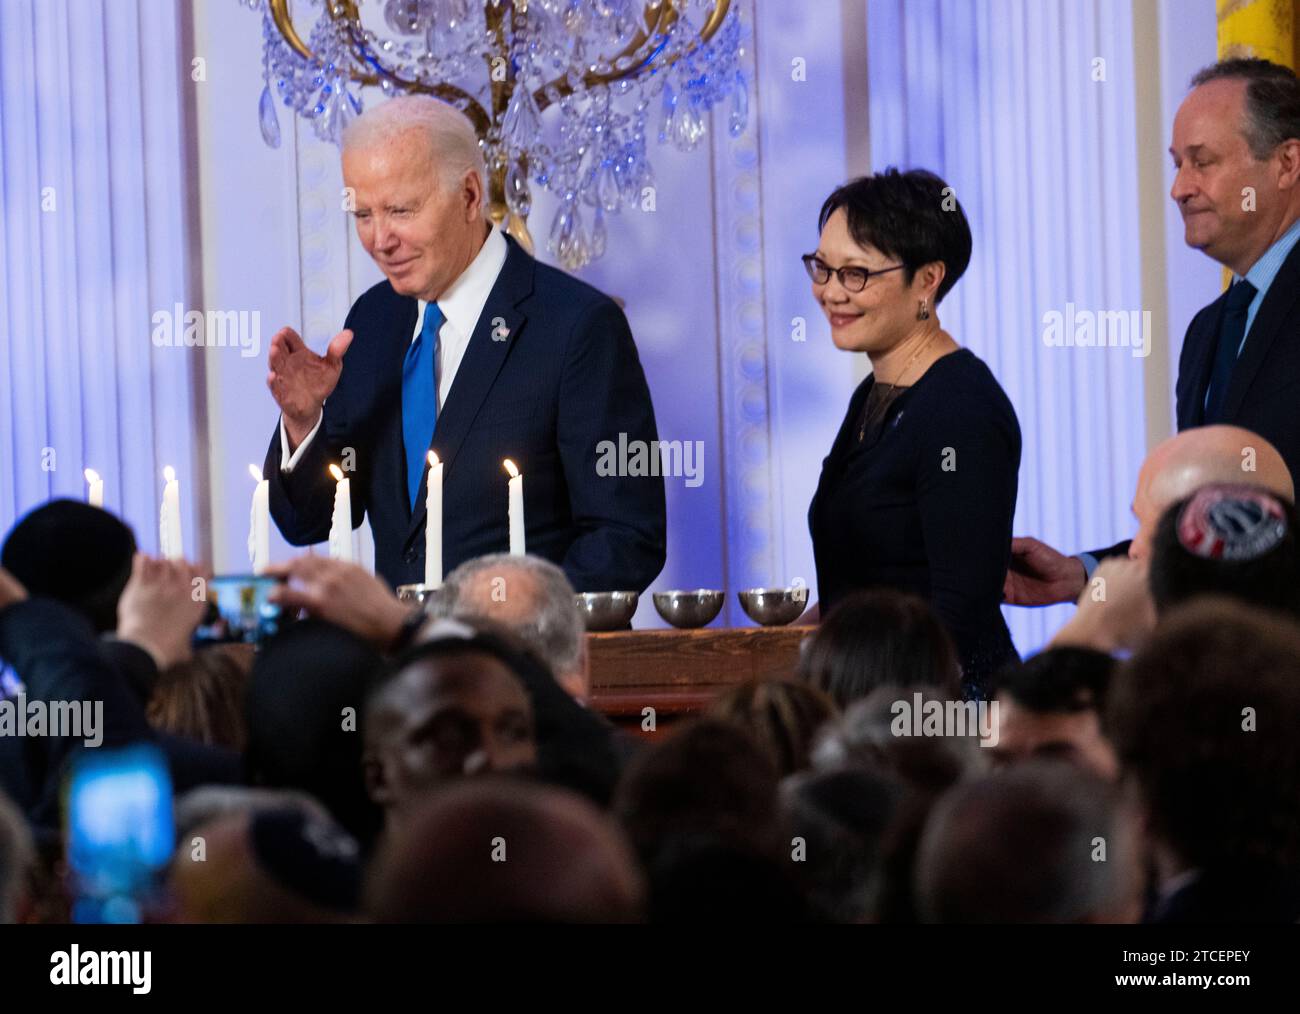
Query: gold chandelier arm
[658, 21]
[346, 11]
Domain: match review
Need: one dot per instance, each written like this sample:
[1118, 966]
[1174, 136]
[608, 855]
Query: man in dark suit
[1236, 148]
[472, 349]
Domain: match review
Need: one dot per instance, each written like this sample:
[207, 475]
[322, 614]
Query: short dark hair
[877, 637]
[1220, 793]
[1261, 565]
[1058, 680]
[74, 553]
[912, 216]
[1272, 100]
[1014, 847]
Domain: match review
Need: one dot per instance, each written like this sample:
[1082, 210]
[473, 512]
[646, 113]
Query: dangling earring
[923, 311]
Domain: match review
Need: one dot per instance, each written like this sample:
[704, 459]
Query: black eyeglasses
[852, 278]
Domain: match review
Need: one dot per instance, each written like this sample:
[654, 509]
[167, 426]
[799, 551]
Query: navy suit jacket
[560, 376]
[1264, 393]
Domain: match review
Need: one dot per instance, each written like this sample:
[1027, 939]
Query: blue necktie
[420, 398]
[1231, 330]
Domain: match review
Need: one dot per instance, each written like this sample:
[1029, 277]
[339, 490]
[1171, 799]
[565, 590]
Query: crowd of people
[374, 762]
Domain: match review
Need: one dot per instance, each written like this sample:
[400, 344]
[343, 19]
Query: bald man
[1175, 469]
[502, 850]
[1118, 612]
[1181, 465]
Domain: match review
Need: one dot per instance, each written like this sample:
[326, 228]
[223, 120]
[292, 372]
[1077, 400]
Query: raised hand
[158, 609]
[300, 380]
[1040, 576]
[342, 593]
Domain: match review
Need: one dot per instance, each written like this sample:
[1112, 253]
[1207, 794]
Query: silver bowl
[611, 610]
[422, 595]
[773, 607]
[689, 609]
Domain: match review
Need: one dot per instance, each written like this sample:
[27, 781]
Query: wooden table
[679, 672]
[676, 672]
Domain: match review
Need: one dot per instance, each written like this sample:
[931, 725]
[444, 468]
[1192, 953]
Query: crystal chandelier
[559, 91]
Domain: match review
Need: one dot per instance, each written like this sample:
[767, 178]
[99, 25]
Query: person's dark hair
[783, 716]
[1059, 680]
[1272, 100]
[305, 683]
[1229, 540]
[704, 880]
[911, 216]
[708, 778]
[75, 553]
[203, 699]
[842, 817]
[876, 638]
[1017, 846]
[1204, 719]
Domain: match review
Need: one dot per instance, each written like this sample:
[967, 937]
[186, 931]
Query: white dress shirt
[462, 305]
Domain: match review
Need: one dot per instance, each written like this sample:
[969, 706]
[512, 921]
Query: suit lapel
[1268, 324]
[478, 370]
[1200, 360]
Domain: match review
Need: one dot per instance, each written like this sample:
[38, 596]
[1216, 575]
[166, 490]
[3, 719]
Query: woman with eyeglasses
[919, 488]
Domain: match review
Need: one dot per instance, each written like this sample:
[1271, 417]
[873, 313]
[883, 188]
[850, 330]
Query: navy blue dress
[922, 500]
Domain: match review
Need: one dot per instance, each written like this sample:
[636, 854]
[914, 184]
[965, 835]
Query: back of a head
[1232, 540]
[203, 699]
[841, 817]
[304, 698]
[529, 596]
[496, 849]
[782, 715]
[877, 637]
[1059, 680]
[279, 865]
[865, 736]
[75, 553]
[1022, 846]
[16, 857]
[708, 778]
[1204, 717]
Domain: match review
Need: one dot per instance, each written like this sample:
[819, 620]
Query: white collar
[462, 304]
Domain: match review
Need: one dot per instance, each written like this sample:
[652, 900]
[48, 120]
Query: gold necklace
[871, 417]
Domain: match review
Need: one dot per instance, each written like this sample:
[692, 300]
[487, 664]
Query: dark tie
[1231, 330]
[420, 398]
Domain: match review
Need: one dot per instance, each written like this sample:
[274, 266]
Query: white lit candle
[169, 517]
[341, 524]
[94, 488]
[433, 525]
[259, 523]
[516, 509]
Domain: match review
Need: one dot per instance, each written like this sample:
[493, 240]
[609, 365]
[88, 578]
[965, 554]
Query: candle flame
[510, 467]
[92, 475]
[169, 474]
[336, 472]
[433, 460]
[255, 472]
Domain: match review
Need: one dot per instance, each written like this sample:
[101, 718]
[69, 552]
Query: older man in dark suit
[1236, 148]
[472, 349]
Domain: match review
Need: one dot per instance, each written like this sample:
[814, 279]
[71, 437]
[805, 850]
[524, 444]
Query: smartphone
[119, 832]
[238, 610]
